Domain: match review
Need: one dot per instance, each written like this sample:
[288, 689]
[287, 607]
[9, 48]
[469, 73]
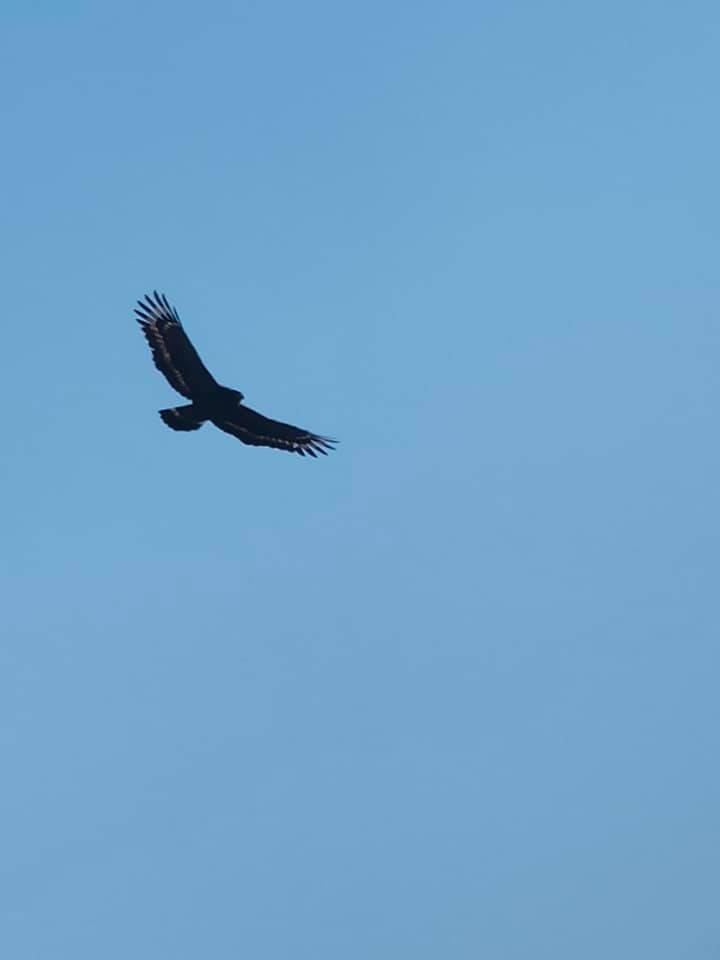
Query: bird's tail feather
[182, 418]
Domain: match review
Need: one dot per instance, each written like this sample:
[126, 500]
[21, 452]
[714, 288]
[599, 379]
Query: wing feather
[173, 353]
[253, 428]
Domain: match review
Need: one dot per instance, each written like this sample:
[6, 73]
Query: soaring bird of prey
[177, 359]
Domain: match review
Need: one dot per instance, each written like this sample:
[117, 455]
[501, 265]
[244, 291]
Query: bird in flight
[177, 359]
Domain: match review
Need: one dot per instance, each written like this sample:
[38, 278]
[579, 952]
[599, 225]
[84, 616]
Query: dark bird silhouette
[177, 359]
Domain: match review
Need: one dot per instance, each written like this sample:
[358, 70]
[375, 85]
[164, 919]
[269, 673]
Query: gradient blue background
[452, 691]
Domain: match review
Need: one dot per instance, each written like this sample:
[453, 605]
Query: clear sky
[452, 691]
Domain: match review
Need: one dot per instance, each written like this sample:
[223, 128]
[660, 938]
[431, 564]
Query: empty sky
[452, 690]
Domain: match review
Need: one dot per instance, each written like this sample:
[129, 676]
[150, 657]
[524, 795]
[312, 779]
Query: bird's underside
[176, 358]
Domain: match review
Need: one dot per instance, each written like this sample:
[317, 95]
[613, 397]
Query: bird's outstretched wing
[172, 351]
[253, 428]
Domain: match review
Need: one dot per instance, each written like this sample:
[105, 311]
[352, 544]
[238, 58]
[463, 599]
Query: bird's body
[177, 359]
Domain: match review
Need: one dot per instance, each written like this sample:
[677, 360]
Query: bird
[177, 359]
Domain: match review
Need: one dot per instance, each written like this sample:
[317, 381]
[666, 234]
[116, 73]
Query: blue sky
[451, 691]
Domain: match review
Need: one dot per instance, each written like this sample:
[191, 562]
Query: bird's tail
[182, 418]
